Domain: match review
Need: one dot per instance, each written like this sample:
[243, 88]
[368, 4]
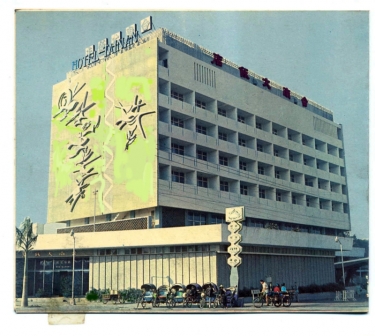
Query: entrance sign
[234, 216]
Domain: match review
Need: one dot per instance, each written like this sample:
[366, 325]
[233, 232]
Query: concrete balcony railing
[140, 223]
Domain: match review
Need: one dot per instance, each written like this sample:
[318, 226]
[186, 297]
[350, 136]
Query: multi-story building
[152, 138]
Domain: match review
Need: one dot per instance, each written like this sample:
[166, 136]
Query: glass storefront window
[48, 265]
[39, 264]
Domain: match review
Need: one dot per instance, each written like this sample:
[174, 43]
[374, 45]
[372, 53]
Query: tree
[25, 239]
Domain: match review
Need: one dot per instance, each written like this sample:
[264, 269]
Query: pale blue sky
[321, 55]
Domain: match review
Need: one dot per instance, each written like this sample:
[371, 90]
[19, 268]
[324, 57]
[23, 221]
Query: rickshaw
[208, 295]
[147, 295]
[162, 296]
[177, 293]
[232, 295]
[192, 294]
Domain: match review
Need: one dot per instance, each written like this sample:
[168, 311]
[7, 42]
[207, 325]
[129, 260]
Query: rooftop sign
[118, 43]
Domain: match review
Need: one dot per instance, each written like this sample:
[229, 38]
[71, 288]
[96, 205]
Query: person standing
[264, 290]
[223, 294]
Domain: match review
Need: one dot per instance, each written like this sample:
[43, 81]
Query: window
[241, 119]
[317, 165]
[201, 129]
[165, 63]
[177, 95]
[303, 142]
[259, 148]
[217, 219]
[202, 182]
[108, 217]
[201, 155]
[201, 104]
[223, 136]
[294, 199]
[221, 112]
[177, 122]
[308, 182]
[243, 189]
[289, 136]
[305, 162]
[223, 160]
[307, 201]
[333, 207]
[262, 193]
[292, 178]
[321, 205]
[260, 170]
[291, 157]
[242, 142]
[274, 131]
[243, 165]
[196, 218]
[224, 186]
[87, 220]
[177, 149]
[319, 185]
[275, 152]
[178, 177]
[277, 174]
[258, 125]
[278, 197]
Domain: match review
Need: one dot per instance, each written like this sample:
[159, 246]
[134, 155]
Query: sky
[321, 55]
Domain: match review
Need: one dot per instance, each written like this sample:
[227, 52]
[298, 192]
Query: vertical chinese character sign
[234, 216]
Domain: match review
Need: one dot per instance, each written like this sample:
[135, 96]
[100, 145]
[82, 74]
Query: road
[360, 306]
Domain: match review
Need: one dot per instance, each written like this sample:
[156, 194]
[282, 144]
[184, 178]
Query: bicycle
[171, 302]
[273, 298]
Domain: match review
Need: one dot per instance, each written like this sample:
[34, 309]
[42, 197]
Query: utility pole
[94, 193]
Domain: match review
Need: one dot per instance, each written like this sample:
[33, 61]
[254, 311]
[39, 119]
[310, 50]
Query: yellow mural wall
[104, 137]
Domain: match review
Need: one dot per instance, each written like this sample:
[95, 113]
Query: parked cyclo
[230, 299]
[208, 295]
[192, 294]
[161, 295]
[274, 298]
[147, 295]
[177, 292]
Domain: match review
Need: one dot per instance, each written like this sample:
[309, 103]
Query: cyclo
[275, 298]
[192, 294]
[147, 295]
[208, 295]
[162, 296]
[230, 295]
[177, 292]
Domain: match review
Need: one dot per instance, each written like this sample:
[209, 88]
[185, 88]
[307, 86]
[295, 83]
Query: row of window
[280, 196]
[162, 249]
[262, 146]
[268, 126]
[262, 169]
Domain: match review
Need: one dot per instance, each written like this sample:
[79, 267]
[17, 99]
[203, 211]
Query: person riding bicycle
[283, 288]
[223, 294]
[276, 289]
[264, 290]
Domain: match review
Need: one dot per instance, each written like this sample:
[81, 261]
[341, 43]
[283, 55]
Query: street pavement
[82, 307]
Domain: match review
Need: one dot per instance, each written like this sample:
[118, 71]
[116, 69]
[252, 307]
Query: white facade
[224, 141]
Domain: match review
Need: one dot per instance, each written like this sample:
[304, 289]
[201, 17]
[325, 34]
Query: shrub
[92, 295]
[314, 288]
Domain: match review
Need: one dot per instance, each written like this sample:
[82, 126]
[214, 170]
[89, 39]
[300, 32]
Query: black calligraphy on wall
[132, 118]
[72, 111]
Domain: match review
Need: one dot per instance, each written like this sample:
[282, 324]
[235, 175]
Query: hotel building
[152, 138]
